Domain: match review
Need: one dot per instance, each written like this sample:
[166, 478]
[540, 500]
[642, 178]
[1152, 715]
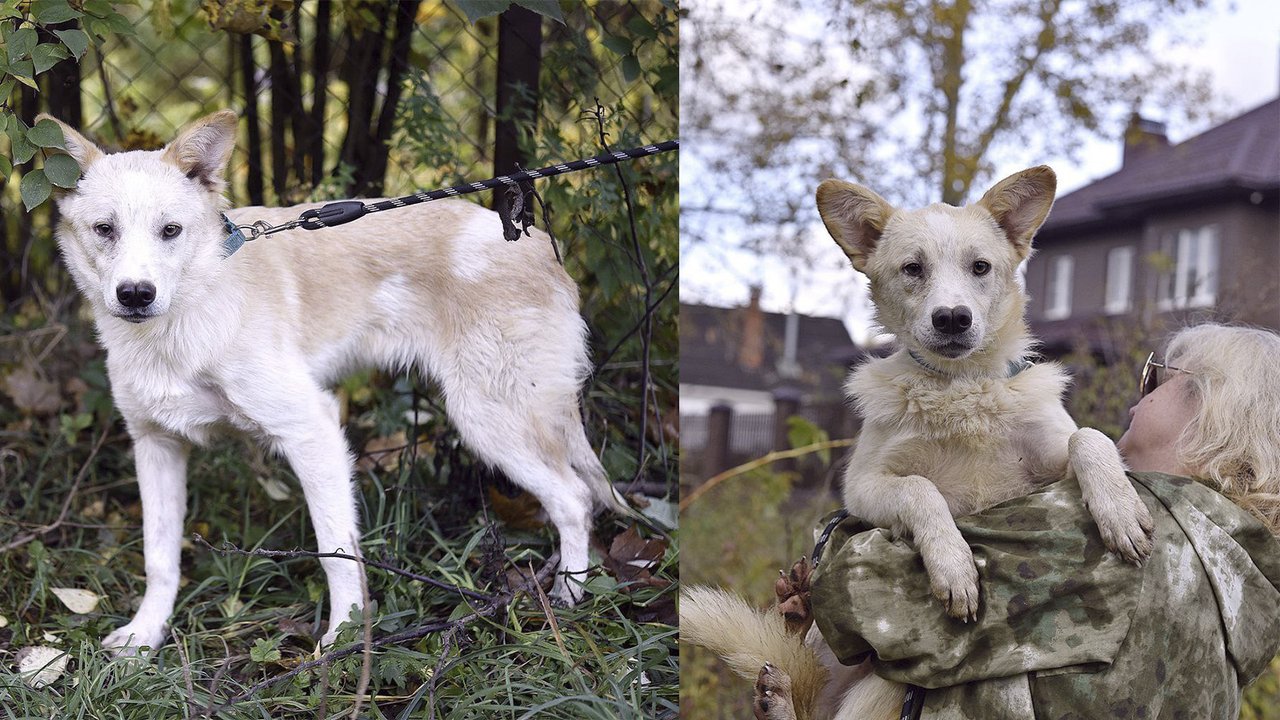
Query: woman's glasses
[1150, 379]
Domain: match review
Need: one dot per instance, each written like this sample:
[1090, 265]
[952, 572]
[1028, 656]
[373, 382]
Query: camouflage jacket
[1066, 629]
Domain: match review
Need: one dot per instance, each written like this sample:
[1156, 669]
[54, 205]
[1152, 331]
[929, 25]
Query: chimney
[1143, 137]
[751, 351]
[789, 366]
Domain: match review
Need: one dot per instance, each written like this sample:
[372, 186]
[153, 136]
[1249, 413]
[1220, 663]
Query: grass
[243, 620]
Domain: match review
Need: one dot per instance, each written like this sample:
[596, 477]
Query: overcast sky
[1241, 50]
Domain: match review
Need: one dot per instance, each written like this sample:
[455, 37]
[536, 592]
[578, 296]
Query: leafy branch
[34, 37]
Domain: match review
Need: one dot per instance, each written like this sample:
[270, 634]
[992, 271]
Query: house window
[1119, 280]
[1191, 280]
[1058, 293]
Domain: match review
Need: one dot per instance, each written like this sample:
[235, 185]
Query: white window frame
[1119, 288]
[1057, 296]
[1192, 281]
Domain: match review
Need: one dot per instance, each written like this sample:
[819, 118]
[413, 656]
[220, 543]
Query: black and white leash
[337, 213]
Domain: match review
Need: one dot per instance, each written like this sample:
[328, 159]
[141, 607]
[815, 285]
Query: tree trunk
[398, 63]
[250, 83]
[278, 72]
[954, 188]
[519, 62]
[319, 92]
[360, 72]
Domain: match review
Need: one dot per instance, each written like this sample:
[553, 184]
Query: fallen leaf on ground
[522, 512]
[39, 665]
[31, 393]
[276, 488]
[77, 601]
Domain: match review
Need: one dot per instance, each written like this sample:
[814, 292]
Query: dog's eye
[913, 269]
[171, 231]
[981, 267]
[103, 229]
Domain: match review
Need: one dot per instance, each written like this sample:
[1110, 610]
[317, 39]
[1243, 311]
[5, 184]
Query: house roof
[1242, 154]
[710, 349]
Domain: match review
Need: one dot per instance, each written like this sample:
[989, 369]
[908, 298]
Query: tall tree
[917, 97]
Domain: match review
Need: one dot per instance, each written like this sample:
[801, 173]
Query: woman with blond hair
[1066, 629]
[1218, 417]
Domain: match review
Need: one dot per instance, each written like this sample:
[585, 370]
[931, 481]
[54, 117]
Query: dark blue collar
[235, 237]
[1013, 368]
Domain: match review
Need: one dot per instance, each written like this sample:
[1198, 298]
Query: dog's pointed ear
[81, 149]
[855, 217]
[203, 148]
[1020, 203]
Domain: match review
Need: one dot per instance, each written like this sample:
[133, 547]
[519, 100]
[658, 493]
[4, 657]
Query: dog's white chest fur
[962, 433]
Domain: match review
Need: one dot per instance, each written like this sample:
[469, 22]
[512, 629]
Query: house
[752, 362]
[1181, 232]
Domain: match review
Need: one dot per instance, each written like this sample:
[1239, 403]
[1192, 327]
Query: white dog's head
[141, 232]
[943, 278]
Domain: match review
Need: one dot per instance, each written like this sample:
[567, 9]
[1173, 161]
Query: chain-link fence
[140, 89]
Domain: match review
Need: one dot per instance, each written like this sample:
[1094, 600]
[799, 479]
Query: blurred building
[1180, 233]
[752, 362]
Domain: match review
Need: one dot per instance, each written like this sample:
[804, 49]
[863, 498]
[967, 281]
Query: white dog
[199, 340]
[955, 421]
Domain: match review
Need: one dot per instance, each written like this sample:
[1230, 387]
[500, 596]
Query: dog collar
[1013, 368]
[235, 237]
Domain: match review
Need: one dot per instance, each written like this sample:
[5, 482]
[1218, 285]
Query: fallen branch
[229, 549]
[398, 638]
[747, 467]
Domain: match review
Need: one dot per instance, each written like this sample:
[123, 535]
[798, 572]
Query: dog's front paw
[793, 590]
[1125, 524]
[772, 699]
[953, 577]
[135, 639]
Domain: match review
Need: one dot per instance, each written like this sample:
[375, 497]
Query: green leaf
[476, 9]
[801, 432]
[47, 134]
[99, 8]
[21, 43]
[8, 11]
[6, 89]
[640, 26]
[24, 72]
[618, 45]
[46, 55]
[75, 40]
[119, 24]
[264, 651]
[6, 168]
[19, 145]
[630, 68]
[53, 11]
[545, 8]
[62, 170]
[35, 189]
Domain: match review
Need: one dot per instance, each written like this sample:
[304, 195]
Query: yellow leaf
[78, 601]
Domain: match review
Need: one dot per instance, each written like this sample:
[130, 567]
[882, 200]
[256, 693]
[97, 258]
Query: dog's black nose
[952, 321]
[135, 295]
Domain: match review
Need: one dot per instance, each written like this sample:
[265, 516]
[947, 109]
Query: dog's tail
[746, 638]
[585, 463]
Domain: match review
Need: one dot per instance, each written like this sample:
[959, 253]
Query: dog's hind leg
[161, 463]
[529, 447]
